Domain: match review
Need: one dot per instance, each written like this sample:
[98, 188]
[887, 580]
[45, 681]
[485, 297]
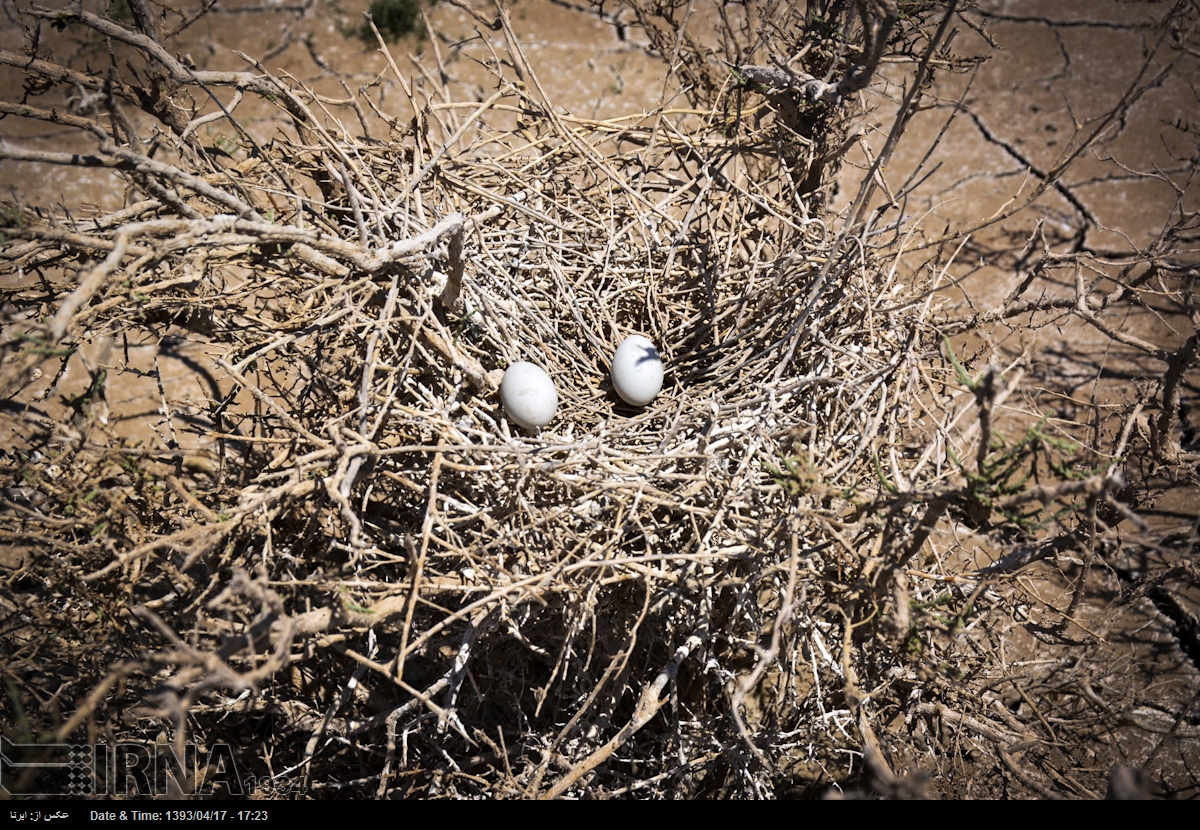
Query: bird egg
[528, 395]
[637, 371]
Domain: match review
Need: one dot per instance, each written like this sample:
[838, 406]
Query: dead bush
[344, 563]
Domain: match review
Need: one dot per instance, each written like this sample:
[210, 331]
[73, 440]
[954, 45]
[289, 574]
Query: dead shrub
[344, 562]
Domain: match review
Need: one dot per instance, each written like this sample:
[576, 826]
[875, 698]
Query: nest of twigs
[347, 564]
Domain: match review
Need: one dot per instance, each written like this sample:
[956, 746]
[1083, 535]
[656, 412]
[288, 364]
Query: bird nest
[349, 565]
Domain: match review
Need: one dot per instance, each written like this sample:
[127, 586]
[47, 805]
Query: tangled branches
[340, 557]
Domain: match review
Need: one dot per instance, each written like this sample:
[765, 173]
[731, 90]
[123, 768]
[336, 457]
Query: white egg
[637, 371]
[528, 395]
